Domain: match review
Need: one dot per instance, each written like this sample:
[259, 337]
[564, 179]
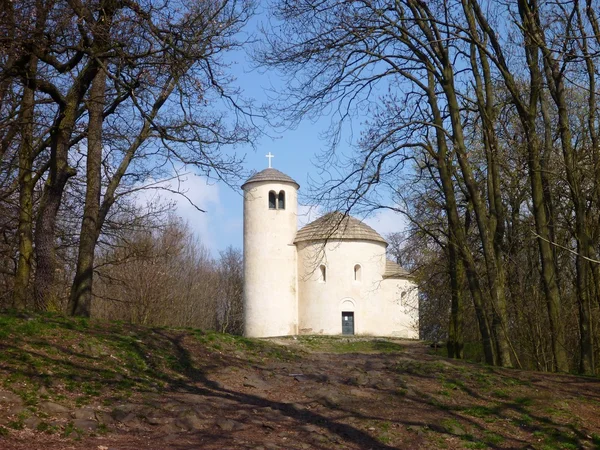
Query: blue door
[347, 322]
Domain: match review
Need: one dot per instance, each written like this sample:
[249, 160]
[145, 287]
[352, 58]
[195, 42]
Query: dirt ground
[324, 398]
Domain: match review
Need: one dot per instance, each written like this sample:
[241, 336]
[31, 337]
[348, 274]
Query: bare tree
[229, 301]
[129, 88]
[158, 276]
[463, 96]
[190, 50]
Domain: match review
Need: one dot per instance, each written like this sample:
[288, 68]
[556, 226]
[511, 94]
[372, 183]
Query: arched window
[272, 200]
[357, 272]
[323, 274]
[281, 204]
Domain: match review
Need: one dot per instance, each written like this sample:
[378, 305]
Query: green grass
[482, 412]
[253, 348]
[475, 444]
[553, 438]
[340, 344]
[71, 430]
[472, 351]
[451, 385]
[525, 419]
[492, 438]
[454, 427]
[75, 362]
[501, 393]
[523, 401]
[87, 359]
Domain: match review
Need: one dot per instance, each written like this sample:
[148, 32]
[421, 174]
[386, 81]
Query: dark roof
[393, 270]
[270, 175]
[336, 225]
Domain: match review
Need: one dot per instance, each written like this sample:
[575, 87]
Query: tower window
[357, 272]
[323, 273]
[272, 200]
[281, 199]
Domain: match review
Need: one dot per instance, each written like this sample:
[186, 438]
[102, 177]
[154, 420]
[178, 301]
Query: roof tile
[393, 270]
[270, 174]
[336, 225]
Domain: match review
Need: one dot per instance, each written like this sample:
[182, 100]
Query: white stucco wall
[270, 301]
[399, 307]
[375, 302]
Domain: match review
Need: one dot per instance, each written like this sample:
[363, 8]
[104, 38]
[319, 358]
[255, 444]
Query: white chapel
[331, 277]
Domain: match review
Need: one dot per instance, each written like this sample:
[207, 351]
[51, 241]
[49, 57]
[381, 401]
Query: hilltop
[78, 384]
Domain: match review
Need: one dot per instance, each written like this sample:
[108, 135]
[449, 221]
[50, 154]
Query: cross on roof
[270, 156]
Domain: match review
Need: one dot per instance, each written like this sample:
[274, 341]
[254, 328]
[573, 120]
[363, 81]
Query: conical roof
[270, 174]
[393, 270]
[336, 225]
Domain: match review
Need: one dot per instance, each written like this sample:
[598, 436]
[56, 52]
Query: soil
[313, 397]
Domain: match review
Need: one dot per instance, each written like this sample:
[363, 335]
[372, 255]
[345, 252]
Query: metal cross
[269, 155]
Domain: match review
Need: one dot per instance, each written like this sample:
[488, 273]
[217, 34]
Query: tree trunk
[494, 271]
[80, 300]
[555, 80]
[454, 227]
[527, 114]
[455, 328]
[26, 186]
[45, 293]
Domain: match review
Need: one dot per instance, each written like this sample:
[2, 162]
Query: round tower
[270, 282]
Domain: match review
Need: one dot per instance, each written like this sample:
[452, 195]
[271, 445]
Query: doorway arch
[347, 307]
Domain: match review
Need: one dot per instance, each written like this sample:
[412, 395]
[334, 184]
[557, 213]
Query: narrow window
[272, 201]
[281, 200]
[357, 272]
[323, 278]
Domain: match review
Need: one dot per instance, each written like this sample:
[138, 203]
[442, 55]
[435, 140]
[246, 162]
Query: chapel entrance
[347, 322]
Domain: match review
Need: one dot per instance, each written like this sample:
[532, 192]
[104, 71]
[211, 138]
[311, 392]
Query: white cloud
[196, 191]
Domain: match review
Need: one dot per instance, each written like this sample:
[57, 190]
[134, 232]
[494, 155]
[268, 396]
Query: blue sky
[295, 153]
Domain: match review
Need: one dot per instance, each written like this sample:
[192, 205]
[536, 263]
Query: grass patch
[524, 401]
[251, 348]
[339, 344]
[475, 444]
[492, 438]
[454, 427]
[482, 412]
[556, 439]
[45, 427]
[71, 430]
[525, 419]
[452, 385]
[16, 424]
[75, 362]
[501, 393]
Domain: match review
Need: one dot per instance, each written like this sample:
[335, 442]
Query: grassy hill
[71, 383]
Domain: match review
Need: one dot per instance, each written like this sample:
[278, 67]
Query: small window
[323, 274]
[357, 272]
[281, 204]
[272, 200]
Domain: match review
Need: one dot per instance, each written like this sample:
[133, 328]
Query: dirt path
[323, 400]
